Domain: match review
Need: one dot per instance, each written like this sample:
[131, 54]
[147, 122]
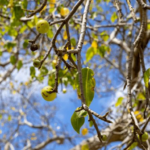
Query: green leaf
[32, 72]
[73, 42]
[25, 44]
[119, 101]
[93, 15]
[10, 45]
[25, 4]
[88, 84]
[141, 96]
[104, 35]
[18, 12]
[40, 78]
[90, 53]
[19, 65]
[91, 123]
[9, 118]
[3, 2]
[102, 49]
[113, 17]
[146, 77]
[1, 116]
[133, 146]
[85, 147]
[13, 59]
[82, 113]
[50, 33]
[77, 121]
[1, 53]
[43, 70]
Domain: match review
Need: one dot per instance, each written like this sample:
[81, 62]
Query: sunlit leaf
[85, 147]
[1, 116]
[77, 121]
[94, 44]
[88, 84]
[9, 118]
[119, 101]
[104, 35]
[65, 35]
[90, 53]
[146, 77]
[43, 70]
[133, 146]
[113, 17]
[141, 96]
[50, 33]
[33, 138]
[91, 123]
[102, 50]
[65, 57]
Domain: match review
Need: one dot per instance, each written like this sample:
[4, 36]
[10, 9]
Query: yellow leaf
[52, 3]
[65, 57]
[9, 50]
[13, 108]
[11, 84]
[0, 131]
[141, 96]
[43, 9]
[14, 92]
[33, 138]
[10, 4]
[26, 83]
[85, 42]
[139, 117]
[65, 35]
[1, 43]
[33, 134]
[94, 44]
[84, 131]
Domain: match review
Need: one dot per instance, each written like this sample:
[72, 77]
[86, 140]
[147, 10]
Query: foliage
[84, 48]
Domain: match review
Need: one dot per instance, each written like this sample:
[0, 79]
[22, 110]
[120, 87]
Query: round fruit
[84, 131]
[36, 63]
[64, 90]
[104, 137]
[144, 136]
[42, 26]
[64, 11]
[46, 95]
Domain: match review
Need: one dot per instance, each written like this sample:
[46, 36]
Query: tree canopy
[89, 60]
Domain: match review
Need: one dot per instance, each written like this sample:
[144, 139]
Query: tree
[95, 47]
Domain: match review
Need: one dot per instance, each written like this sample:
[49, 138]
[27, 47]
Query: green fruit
[42, 26]
[104, 137]
[36, 63]
[64, 90]
[46, 95]
[144, 136]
